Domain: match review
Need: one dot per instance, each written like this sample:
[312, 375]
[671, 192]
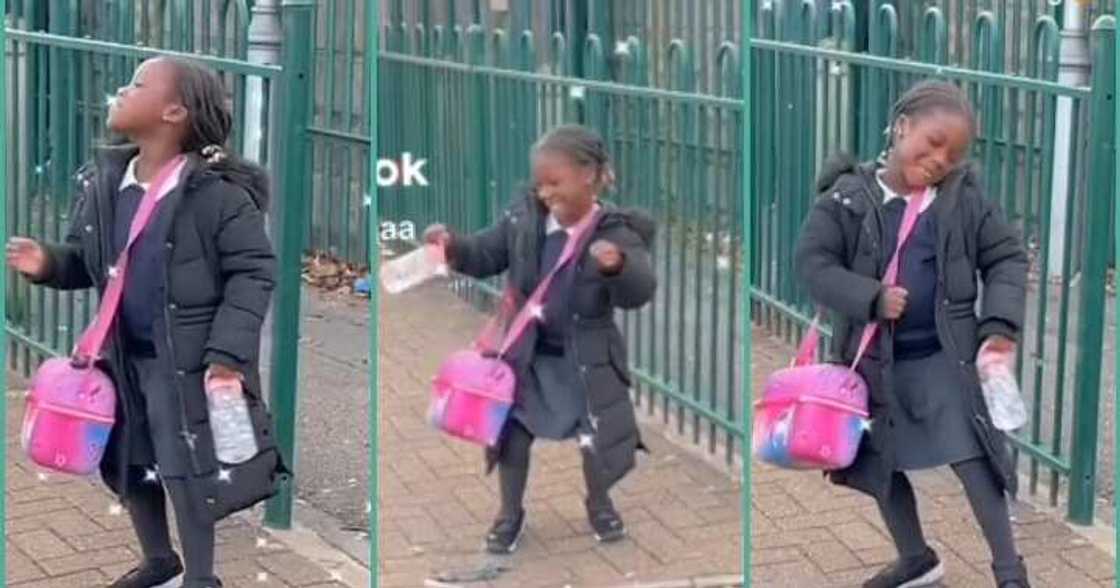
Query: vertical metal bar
[1083, 461]
[297, 17]
[1116, 300]
[373, 47]
[747, 410]
[4, 165]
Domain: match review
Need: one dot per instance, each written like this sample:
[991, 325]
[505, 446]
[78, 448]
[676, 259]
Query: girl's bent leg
[990, 507]
[513, 468]
[598, 492]
[196, 534]
[147, 508]
[900, 513]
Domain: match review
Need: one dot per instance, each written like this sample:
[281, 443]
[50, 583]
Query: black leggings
[900, 513]
[147, 507]
[513, 472]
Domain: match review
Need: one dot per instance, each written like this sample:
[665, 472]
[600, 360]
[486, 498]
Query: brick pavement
[682, 511]
[64, 532]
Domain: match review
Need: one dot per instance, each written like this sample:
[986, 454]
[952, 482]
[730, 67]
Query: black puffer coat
[513, 245]
[840, 258]
[217, 286]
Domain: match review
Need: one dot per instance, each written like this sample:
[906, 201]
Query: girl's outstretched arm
[1002, 262]
[65, 264]
[248, 266]
[483, 254]
[820, 265]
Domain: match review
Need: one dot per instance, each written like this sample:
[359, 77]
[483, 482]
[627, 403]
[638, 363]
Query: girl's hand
[999, 344]
[892, 302]
[608, 255]
[26, 256]
[222, 372]
[437, 235]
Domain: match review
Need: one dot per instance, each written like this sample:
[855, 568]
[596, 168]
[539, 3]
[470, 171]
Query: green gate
[61, 67]
[1007, 59]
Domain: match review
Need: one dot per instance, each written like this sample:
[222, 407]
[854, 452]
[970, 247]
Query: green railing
[340, 132]
[56, 88]
[1025, 153]
[474, 100]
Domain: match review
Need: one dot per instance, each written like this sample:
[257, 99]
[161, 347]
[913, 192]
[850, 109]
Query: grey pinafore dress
[931, 415]
[552, 404]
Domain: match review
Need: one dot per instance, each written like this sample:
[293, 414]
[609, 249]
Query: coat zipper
[188, 437]
[91, 187]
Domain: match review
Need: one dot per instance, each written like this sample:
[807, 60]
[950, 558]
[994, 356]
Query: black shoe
[607, 524]
[924, 570]
[1015, 584]
[505, 533]
[150, 573]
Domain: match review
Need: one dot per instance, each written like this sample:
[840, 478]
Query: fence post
[1102, 142]
[297, 18]
[746, 137]
[4, 134]
[373, 51]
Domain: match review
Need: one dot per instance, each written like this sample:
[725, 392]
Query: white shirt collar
[552, 225]
[129, 178]
[889, 194]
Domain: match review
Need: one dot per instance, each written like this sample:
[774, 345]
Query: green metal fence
[839, 101]
[340, 132]
[63, 59]
[474, 100]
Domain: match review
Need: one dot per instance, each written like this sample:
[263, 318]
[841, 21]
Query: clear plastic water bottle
[234, 439]
[1001, 390]
[413, 268]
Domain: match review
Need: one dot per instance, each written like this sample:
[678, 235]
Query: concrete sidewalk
[682, 511]
[66, 532]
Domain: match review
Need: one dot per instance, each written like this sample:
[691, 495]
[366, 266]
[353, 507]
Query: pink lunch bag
[812, 416]
[71, 407]
[472, 396]
[473, 391]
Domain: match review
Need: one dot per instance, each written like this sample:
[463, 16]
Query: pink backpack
[71, 407]
[473, 391]
[812, 416]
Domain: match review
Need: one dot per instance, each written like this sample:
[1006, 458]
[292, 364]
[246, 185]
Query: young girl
[198, 284]
[926, 405]
[572, 373]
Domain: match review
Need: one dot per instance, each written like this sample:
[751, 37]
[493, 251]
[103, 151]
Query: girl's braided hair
[210, 124]
[922, 98]
[583, 146]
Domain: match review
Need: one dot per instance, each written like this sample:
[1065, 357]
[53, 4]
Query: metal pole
[265, 36]
[4, 272]
[1090, 340]
[1073, 71]
[746, 402]
[296, 100]
[1116, 301]
[374, 49]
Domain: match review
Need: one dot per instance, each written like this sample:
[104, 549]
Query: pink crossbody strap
[535, 304]
[93, 339]
[808, 350]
